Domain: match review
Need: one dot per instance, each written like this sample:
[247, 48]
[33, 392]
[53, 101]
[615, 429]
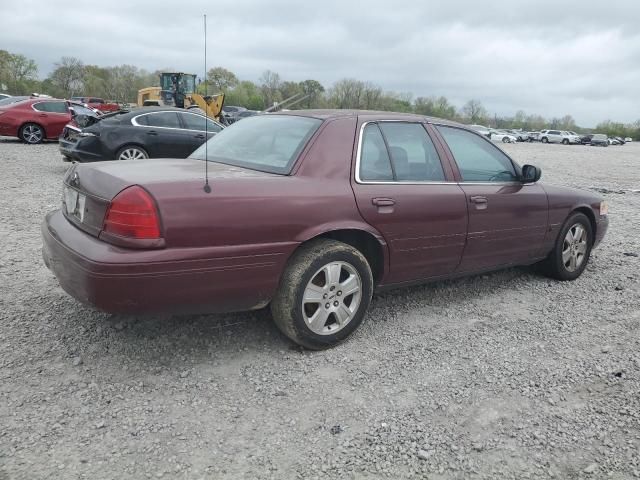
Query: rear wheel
[323, 295]
[31, 133]
[132, 152]
[506, 140]
[571, 252]
[545, 140]
[565, 141]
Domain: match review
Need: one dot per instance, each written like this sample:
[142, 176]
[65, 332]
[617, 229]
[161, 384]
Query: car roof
[327, 114]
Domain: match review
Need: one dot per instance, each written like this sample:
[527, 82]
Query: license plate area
[74, 203]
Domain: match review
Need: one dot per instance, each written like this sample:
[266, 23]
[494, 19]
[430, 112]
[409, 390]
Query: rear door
[406, 190]
[507, 219]
[194, 127]
[53, 116]
[164, 136]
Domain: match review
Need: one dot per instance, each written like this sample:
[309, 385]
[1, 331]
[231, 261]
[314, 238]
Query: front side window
[477, 159]
[269, 143]
[163, 119]
[197, 122]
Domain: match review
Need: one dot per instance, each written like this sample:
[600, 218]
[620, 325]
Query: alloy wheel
[331, 298]
[132, 154]
[574, 247]
[32, 134]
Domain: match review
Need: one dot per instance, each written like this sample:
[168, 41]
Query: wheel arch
[588, 212]
[361, 237]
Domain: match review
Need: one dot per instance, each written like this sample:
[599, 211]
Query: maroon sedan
[310, 212]
[35, 119]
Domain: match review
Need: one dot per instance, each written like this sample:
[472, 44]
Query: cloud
[542, 57]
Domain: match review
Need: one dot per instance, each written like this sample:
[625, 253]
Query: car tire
[132, 152]
[31, 133]
[572, 249]
[544, 140]
[310, 306]
[506, 140]
[565, 141]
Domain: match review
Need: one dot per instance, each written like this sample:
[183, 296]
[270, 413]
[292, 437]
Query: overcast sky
[542, 56]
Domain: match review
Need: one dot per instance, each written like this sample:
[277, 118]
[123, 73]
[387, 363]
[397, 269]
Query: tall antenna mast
[207, 187]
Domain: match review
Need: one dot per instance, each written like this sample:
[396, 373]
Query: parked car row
[565, 137]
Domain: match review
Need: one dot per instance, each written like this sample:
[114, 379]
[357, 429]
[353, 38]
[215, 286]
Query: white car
[628, 139]
[558, 136]
[481, 129]
[502, 136]
[520, 135]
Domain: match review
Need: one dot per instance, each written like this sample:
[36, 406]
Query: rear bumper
[186, 280]
[71, 150]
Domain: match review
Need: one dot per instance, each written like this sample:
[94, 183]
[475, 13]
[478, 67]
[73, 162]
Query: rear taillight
[133, 214]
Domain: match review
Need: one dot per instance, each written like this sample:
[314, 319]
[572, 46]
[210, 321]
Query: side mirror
[530, 174]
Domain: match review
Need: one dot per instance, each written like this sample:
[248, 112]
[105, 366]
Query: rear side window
[375, 164]
[413, 154]
[163, 119]
[477, 159]
[197, 122]
[51, 107]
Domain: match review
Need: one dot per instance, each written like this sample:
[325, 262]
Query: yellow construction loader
[178, 90]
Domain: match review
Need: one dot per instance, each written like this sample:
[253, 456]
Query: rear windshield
[269, 143]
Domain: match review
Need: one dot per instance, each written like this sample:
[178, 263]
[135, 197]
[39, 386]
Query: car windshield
[269, 143]
[10, 100]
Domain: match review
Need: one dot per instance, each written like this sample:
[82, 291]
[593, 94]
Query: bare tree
[270, 85]
[221, 79]
[474, 111]
[68, 76]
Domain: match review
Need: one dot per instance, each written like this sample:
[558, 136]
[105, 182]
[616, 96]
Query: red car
[97, 103]
[310, 212]
[35, 119]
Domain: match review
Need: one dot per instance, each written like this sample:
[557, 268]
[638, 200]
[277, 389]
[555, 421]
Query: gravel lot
[508, 375]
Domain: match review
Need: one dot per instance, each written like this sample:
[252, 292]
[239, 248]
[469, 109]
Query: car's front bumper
[602, 225]
[172, 280]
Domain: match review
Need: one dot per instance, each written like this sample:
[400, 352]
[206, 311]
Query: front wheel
[323, 295]
[565, 142]
[31, 133]
[506, 140]
[545, 140]
[571, 252]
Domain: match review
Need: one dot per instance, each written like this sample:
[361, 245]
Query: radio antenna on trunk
[207, 187]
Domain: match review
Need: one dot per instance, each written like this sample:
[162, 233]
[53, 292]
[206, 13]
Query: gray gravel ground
[508, 375]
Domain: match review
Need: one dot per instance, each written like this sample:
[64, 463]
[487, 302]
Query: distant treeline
[19, 75]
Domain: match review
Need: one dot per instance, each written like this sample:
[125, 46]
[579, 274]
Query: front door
[402, 190]
[507, 219]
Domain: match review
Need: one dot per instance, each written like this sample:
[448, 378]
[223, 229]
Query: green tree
[474, 112]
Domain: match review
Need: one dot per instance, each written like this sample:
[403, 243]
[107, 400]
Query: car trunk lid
[89, 188]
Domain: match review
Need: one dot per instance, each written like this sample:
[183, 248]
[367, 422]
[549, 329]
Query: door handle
[42, 115]
[478, 199]
[199, 136]
[152, 132]
[383, 202]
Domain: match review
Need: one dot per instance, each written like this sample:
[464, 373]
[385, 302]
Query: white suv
[558, 136]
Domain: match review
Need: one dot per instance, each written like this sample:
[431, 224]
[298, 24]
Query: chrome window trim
[392, 182]
[136, 124]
